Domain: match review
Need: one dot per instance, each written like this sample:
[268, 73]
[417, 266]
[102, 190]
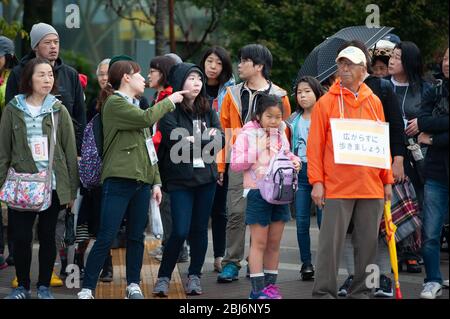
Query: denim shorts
[261, 212]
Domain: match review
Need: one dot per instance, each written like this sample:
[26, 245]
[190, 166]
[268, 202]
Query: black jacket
[434, 119]
[183, 175]
[392, 114]
[69, 91]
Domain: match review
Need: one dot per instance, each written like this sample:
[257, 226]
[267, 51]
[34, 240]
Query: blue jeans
[190, 210]
[120, 196]
[303, 202]
[435, 208]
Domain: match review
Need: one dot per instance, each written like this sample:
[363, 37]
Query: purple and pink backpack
[280, 182]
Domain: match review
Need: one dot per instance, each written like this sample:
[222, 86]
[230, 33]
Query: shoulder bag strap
[55, 120]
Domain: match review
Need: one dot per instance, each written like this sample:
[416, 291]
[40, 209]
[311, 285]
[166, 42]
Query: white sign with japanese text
[361, 142]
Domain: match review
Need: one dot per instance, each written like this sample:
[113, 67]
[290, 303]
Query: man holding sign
[350, 170]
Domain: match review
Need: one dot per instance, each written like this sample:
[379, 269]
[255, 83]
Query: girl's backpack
[279, 184]
[90, 166]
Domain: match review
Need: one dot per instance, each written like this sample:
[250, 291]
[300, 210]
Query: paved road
[289, 281]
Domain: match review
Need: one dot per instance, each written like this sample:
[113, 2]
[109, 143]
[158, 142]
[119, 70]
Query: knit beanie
[39, 31]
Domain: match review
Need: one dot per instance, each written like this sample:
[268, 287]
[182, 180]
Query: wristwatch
[431, 139]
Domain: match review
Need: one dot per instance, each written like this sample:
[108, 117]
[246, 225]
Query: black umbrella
[321, 64]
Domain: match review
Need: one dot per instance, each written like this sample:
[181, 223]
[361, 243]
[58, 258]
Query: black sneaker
[106, 275]
[307, 272]
[344, 290]
[385, 289]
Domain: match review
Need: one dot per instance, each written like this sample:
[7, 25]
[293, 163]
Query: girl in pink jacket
[259, 141]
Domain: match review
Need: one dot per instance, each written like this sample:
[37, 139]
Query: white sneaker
[134, 292]
[445, 283]
[431, 290]
[85, 294]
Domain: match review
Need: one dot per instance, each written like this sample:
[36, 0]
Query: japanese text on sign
[361, 142]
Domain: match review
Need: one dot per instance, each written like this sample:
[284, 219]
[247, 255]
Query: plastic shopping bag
[157, 228]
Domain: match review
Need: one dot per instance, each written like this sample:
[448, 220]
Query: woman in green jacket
[129, 174]
[27, 121]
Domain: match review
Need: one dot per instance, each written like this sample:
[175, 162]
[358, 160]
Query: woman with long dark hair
[406, 77]
[217, 67]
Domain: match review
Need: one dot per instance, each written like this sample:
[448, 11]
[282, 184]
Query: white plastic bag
[157, 228]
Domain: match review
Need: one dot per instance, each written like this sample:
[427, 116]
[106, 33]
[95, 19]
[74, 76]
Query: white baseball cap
[354, 54]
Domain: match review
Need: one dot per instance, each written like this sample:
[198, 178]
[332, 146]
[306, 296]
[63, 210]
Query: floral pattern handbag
[28, 191]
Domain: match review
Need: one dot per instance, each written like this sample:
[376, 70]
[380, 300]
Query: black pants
[8, 235]
[219, 218]
[22, 223]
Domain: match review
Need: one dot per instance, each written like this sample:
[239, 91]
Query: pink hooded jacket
[251, 155]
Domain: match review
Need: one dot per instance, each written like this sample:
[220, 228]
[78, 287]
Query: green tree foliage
[11, 30]
[292, 28]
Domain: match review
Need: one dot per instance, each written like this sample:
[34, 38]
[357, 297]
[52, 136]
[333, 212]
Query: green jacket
[124, 151]
[15, 152]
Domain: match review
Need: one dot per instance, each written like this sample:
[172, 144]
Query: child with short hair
[259, 141]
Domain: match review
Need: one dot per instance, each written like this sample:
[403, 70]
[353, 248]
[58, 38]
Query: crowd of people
[203, 147]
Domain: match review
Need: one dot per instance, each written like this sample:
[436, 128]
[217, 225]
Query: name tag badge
[151, 151]
[197, 133]
[39, 148]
